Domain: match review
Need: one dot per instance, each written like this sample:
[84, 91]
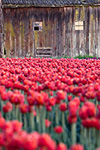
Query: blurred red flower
[76, 147]
[24, 108]
[58, 129]
[61, 146]
[47, 123]
[46, 141]
[61, 95]
[63, 107]
[7, 107]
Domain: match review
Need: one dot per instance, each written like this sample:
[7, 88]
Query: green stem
[98, 138]
[73, 133]
[25, 122]
[85, 138]
[89, 138]
[96, 104]
[31, 121]
[43, 119]
[63, 125]
[51, 122]
[94, 138]
[57, 115]
[82, 135]
[20, 117]
[16, 112]
[38, 120]
[2, 107]
[5, 116]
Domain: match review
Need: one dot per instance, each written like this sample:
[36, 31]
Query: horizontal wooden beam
[71, 5]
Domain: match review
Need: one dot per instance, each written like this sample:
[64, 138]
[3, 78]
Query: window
[79, 25]
[37, 26]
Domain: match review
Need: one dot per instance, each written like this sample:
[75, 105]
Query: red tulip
[63, 107]
[47, 123]
[30, 142]
[7, 107]
[69, 97]
[48, 108]
[77, 147]
[16, 126]
[52, 101]
[72, 120]
[34, 113]
[46, 141]
[61, 95]
[4, 96]
[2, 122]
[61, 146]
[24, 108]
[2, 140]
[58, 129]
[31, 101]
[83, 112]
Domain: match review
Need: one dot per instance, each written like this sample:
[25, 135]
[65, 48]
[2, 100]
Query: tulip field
[49, 104]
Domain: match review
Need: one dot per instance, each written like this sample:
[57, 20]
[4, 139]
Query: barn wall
[1, 29]
[58, 31]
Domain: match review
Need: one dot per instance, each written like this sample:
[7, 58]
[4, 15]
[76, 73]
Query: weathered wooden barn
[45, 28]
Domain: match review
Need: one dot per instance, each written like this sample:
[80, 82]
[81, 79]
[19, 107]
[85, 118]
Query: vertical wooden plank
[34, 33]
[46, 28]
[1, 30]
[18, 39]
[91, 31]
[87, 30]
[22, 36]
[72, 30]
[26, 53]
[68, 32]
[60, 32]
[62, 22]
[52, 31]
[74, 18]
[31, 38]
[44, 31]
[12, 33]
[99, 31]
[17, 34]
[80, 39]
[96, 31]
[94, 15]
[64, 31]
[55, 35]
[7, 38]
[15, 29]
[77, 52]
[76, 35]
[82, 44]
[57, 49]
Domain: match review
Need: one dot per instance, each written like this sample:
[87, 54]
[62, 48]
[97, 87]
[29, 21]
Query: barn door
[41, 40]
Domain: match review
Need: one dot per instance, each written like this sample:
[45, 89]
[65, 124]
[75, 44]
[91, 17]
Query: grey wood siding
[58, 31]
